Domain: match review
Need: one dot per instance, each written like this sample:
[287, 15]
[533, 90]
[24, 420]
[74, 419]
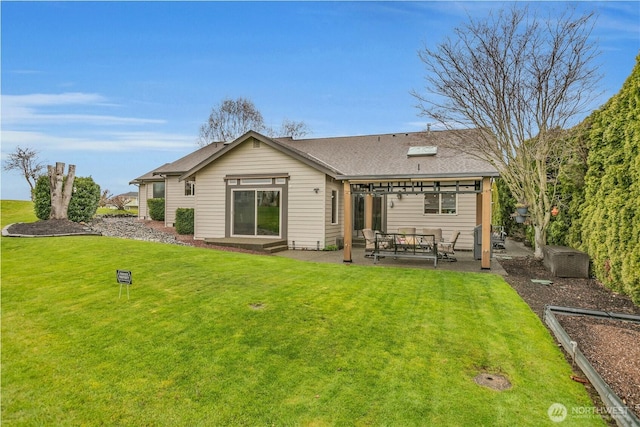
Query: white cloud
[62, 122]
[27, 110]
[108, 142]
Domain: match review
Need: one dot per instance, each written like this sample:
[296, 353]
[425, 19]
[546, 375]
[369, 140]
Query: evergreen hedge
[84, 200]
[608, 223]
[156, 209]
[184, 220]
[42, 198]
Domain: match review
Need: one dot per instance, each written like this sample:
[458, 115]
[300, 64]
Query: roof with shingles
[386, 155]
[181, 165]
[352, 157]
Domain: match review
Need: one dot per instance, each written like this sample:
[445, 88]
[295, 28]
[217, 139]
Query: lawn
[220, 338]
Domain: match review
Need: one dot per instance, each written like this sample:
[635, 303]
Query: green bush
[42, 198]
[609, 222]
[156, 209]
[83, 203]
[84, 200]
[184, 220]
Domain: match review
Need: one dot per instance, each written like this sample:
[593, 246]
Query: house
[132, 197]
[295, 190]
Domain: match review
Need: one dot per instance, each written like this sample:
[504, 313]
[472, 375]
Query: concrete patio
[465, 261]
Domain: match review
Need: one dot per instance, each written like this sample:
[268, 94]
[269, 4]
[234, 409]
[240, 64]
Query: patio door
[256, 213]
[359, 213]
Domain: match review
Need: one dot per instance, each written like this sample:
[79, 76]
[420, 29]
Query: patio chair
[406, 237]
[369, 242]
[447, 249]
[437, 232]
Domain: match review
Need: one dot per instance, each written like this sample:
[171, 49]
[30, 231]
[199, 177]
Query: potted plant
[522, 208]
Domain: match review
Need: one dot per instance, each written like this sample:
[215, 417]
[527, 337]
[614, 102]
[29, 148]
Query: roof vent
[422, 151]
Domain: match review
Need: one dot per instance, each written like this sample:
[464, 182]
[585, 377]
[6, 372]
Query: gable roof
[274, 143]
[371, 157]
[388, 156]
[181, 165]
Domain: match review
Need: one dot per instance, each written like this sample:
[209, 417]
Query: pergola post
[368, 211]
[486, 224]
[348, 222]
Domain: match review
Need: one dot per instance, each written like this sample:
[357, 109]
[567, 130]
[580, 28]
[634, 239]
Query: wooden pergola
[481, 186]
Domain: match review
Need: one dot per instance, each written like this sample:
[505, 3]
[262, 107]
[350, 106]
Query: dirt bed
[52, 227]
[612, 347]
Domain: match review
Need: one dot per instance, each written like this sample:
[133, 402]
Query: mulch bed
[50, 227]
[612, 347]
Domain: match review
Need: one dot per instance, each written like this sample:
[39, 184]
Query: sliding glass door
[256, 213]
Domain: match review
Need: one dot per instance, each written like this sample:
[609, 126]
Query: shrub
[184, 220]
[156, 209]
[609, 224]
[42, 198]
[82, 206]
[84, 201]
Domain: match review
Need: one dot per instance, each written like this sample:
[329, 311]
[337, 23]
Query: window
[256, 181]
[189, 188]
[158, 190]
[441, 203]
[256, 212]
[334, 207]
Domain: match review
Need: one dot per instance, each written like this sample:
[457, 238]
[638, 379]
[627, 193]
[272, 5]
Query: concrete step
[258, 245]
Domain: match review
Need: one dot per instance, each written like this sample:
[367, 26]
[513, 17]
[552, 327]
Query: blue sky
[119, 88]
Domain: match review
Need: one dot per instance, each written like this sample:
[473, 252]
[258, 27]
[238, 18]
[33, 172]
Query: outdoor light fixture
[316, 190]
[399, 195]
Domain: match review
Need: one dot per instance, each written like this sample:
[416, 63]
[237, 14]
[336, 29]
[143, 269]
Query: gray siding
[174, 199]
[409, 212]
[145, 191]
[306, 208]
[333, 231]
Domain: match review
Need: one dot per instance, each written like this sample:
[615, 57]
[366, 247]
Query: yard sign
[124, 278]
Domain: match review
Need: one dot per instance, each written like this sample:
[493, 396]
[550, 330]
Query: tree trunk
[61, 191]
[540, 240]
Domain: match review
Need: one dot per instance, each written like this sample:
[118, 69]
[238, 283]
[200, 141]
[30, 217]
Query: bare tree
[292, 129]
[120, 202]
[104, 198]
[61, 189]
[25, 161]
[520, 79]
[230, 119]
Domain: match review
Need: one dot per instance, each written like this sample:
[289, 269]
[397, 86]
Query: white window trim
[440, 205]
[337, 207]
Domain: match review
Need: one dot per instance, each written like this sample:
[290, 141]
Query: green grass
[220, 338]
[12, 211]
[109, 211]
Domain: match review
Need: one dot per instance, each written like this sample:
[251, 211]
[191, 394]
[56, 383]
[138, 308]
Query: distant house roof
[424, 155]
[130, 194]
